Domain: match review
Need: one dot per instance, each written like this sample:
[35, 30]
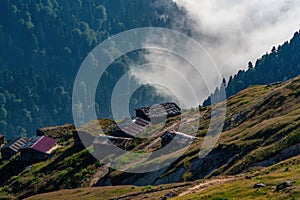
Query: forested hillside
[281, 64]
[42, 45]
[261, 129]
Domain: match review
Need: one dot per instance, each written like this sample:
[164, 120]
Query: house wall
[120, 133]
[33, 155]
[141, 114]
[7, 153]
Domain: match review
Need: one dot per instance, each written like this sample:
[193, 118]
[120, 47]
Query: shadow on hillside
[53, 165]
[13, 168]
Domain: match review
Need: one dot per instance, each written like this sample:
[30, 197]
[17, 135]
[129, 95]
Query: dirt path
[101, 172]
[200, 187]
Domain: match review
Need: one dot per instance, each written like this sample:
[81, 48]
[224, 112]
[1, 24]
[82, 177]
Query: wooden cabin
[103, 145]
[37, 148]
[130, 128]
[12, 147]
[158, 113]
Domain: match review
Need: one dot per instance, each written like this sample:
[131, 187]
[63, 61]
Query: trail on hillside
[200, 187]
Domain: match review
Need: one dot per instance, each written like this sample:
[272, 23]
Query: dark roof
[126, 122]
[42, 144]
[1, 136]
[164, 109]
[132, 127]
[106, 139]
[16, 144]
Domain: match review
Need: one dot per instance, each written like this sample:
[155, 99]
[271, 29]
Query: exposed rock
[101, 172]
[284, 185]
[138, 179]
[235, 120]
[174, 177]
[180, 139]
[259, 185]
[166, 196]
[220, 156]
[280, 156]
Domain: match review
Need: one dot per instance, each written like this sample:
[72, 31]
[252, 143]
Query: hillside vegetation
[216, 188]
[261, 129]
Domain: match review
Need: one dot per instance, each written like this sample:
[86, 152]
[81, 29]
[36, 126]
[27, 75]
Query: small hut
[37, 148]
[12, 147]
[102, 144]
[158, 113]
[130, 128]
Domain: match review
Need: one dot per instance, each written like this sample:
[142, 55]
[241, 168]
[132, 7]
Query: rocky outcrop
[221, 156]
[280, 156]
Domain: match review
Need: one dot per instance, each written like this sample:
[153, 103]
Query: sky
[233, 32]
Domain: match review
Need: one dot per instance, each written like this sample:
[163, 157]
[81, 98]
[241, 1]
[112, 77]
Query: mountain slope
[262, 128]
[215, 188]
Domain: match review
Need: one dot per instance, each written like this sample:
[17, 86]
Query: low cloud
[233, 32]
[237, 31]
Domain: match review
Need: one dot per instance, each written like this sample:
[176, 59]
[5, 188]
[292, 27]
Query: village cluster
[31, 149]
[41, 146]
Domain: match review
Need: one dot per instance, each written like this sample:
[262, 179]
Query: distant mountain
[261, 129]
[281, 64]
[43, 44]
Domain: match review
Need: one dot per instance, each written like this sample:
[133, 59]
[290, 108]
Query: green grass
[242, 188]
[236, 188]
[260, 121]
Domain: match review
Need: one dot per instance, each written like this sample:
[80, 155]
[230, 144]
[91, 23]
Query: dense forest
[280, 64]
[42, 45]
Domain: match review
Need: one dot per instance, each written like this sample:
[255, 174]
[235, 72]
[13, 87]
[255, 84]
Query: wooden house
[130, 128]
[158, 113]
[12, 147]
[37, 148]
[102, 145]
